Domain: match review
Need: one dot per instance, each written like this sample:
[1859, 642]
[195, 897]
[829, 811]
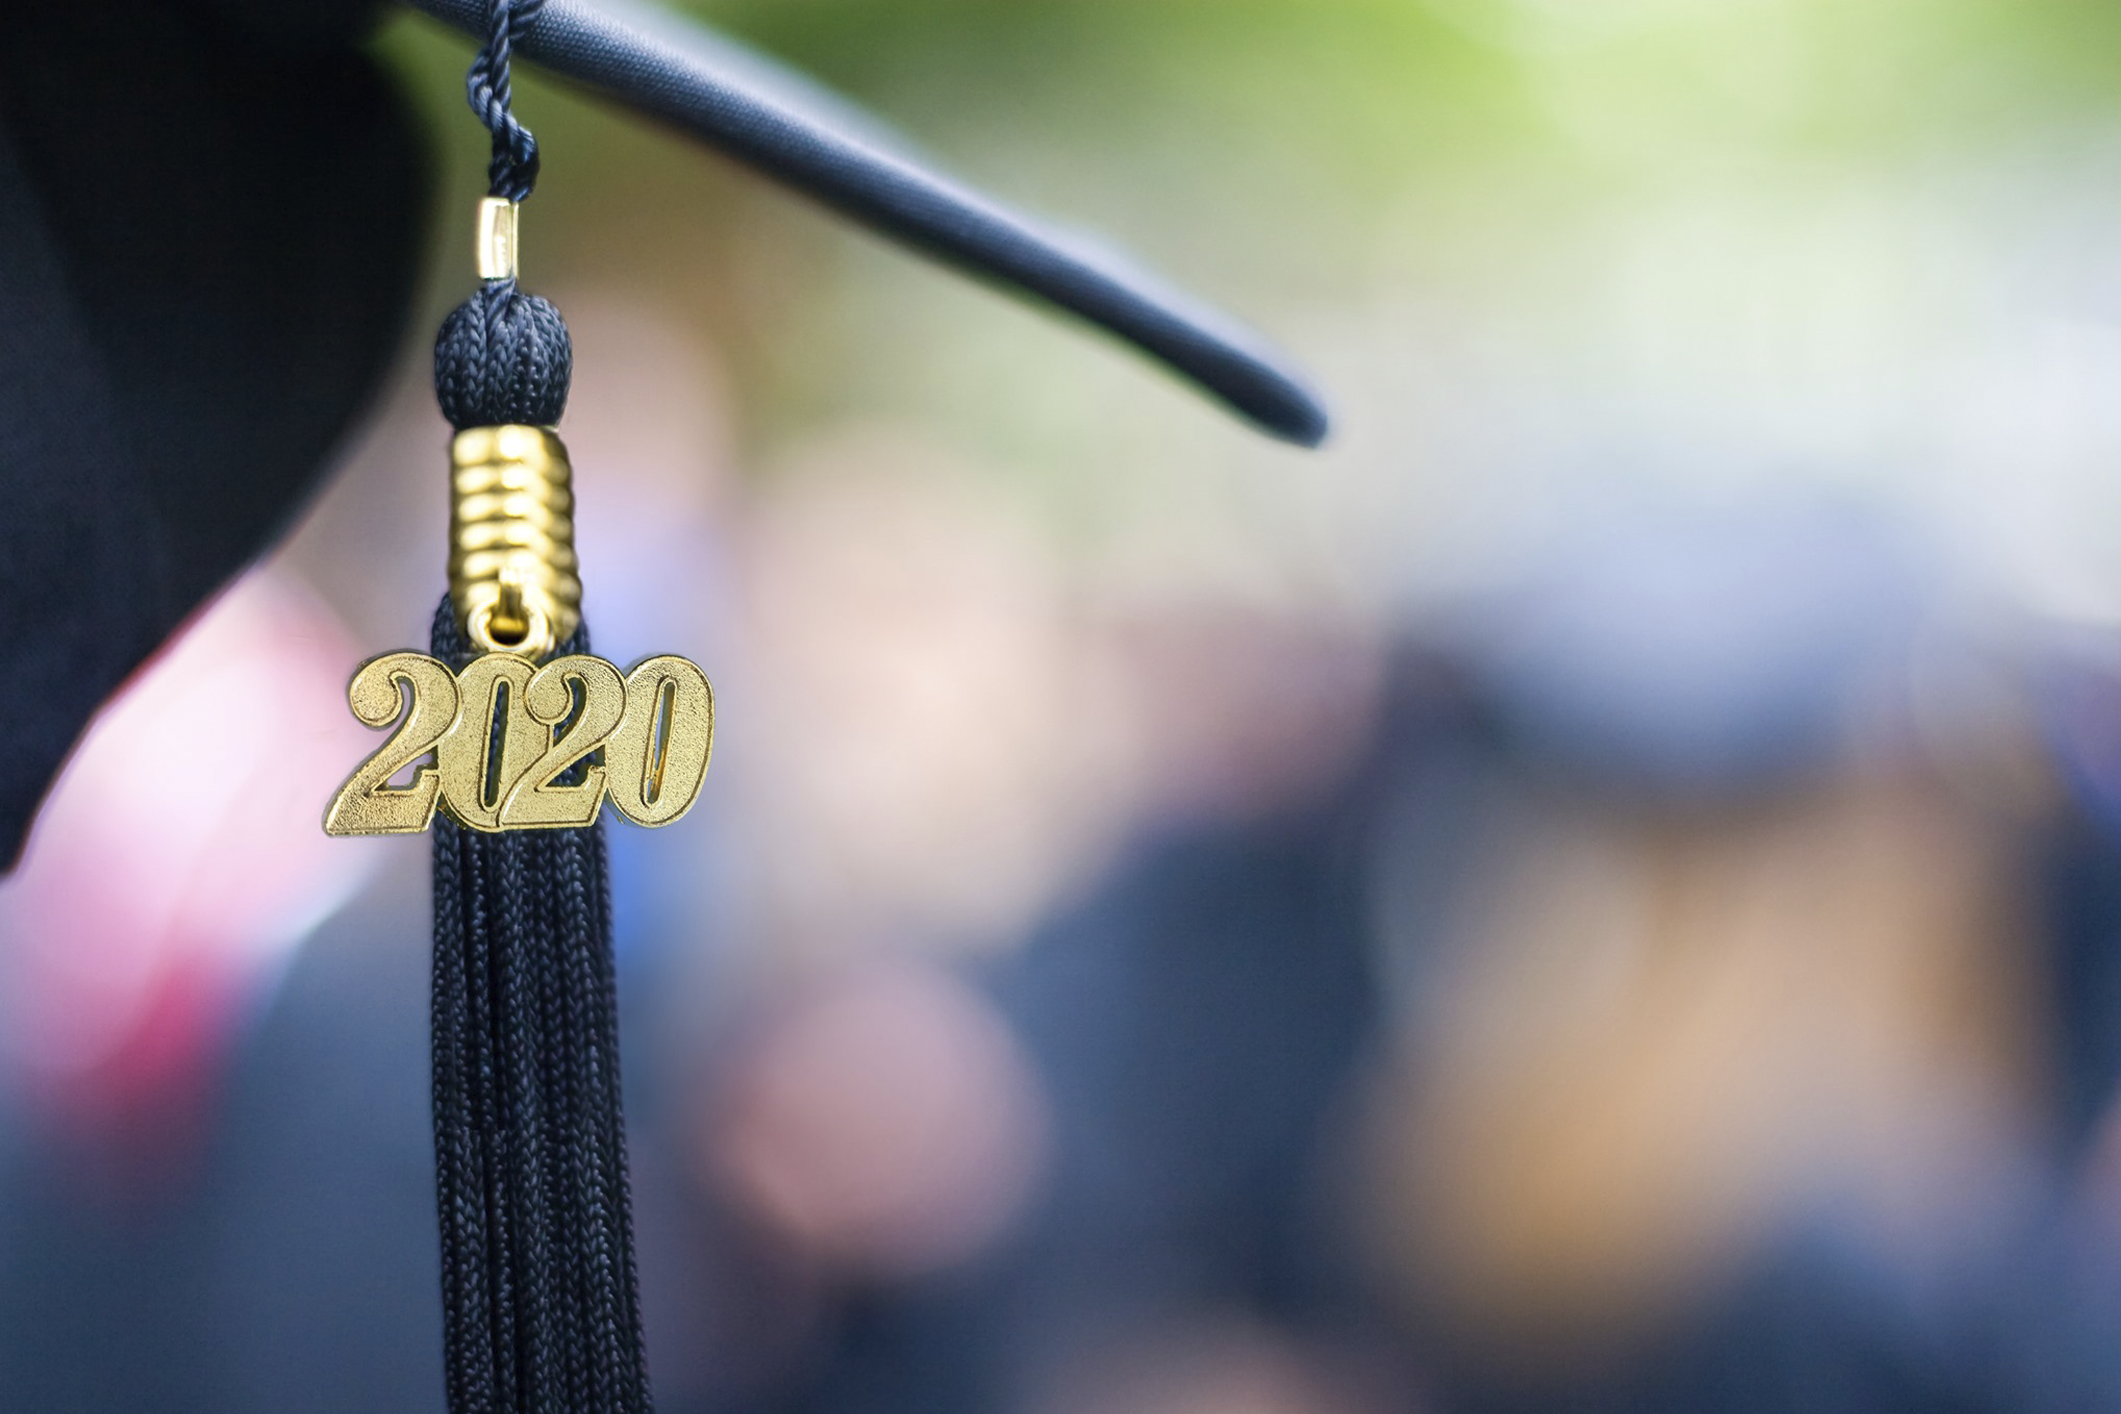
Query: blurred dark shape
[1821, 1324]
[211, 228]
[1191, 1027]
[1714, 650]
[2080, 714]
[1208, 1027]
[297, 1267]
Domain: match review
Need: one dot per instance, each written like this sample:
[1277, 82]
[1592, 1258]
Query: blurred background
[1601, 890]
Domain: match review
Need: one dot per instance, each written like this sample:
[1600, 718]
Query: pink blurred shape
[887, 1123]
[177, 863]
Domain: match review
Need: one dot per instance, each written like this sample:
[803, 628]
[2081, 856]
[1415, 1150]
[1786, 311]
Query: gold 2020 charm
[518, 745]
[522, 747]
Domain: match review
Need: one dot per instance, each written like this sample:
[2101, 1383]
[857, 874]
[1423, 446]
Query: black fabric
[779, 130]
[541, 1313]
[210, 221]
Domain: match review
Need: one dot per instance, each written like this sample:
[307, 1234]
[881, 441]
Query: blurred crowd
[1601, 892]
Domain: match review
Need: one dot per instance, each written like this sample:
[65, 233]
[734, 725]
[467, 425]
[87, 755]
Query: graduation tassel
[538, 1286]
[516, 737]
[539, 1304]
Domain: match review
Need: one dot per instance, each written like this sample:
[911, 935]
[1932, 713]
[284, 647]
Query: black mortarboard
[211, 217]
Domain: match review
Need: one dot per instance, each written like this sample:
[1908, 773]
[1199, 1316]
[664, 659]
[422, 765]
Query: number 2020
[514, 744]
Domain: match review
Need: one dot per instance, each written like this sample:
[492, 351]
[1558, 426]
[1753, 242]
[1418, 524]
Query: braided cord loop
[488, 88]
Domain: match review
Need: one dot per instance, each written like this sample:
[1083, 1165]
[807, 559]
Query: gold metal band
[513, 574]
[498, 238]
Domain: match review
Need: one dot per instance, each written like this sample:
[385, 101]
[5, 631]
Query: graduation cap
[211, 217]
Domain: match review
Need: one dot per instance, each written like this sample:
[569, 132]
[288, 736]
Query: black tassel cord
[540, 1306]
